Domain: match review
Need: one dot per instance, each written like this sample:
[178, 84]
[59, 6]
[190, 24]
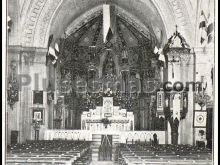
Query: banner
[109, 22]
[106, 21]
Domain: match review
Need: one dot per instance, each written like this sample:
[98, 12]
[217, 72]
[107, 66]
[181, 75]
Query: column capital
[28, 55]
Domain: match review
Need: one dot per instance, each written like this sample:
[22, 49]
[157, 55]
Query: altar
[107, 118]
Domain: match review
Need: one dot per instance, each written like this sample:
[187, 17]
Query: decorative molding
[42, 12]
[28, 55]
[185, 58]
[80, 21]
[32, 20]
[38, 20]
[44, 21]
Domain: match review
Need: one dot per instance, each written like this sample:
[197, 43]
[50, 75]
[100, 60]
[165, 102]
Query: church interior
[110, 82]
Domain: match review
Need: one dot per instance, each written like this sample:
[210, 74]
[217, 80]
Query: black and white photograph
[110, 82]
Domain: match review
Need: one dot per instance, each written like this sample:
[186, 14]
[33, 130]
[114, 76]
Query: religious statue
[58, 114]
[155, 141]
[108, 92]
[109, 67]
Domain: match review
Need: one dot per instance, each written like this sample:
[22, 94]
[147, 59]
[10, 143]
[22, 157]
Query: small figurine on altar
[108, 92]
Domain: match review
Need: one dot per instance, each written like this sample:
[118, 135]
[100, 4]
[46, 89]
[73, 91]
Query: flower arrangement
[12, 92]
[105, 121]
[36, 124]
[202, 99]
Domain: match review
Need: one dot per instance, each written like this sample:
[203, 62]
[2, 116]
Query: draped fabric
[106, 21]
[105, 149]
[109, 22]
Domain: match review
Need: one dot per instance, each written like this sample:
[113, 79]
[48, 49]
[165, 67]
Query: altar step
[102, 163]
[96, 142]
[95, 152]
[115, 139]
[96, 139]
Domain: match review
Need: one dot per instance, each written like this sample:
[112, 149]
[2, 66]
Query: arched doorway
[88, 66]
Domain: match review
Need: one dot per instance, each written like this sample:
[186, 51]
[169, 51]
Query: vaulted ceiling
[125, 34]
[72, 15]
[35, 20]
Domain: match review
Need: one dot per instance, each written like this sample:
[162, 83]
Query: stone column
[27, 56]
[63, 115]
[33, 69]
[186, 124]
[141, 114]
[13, 112]
[50, 115]
[30, 62]
[125, 81]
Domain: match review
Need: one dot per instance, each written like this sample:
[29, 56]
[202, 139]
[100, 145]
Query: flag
[52, 52]
[210, 31]
[202, 26]
[50, 40]
[9, 23]
[52, 55]
[48, 45]
[159, 53]
[210, 27]
[156, 50]
[57, 50]
[207, 29]
[109, 35]
[9, 19]
[162, 58]
[56, 47]
[203, 20]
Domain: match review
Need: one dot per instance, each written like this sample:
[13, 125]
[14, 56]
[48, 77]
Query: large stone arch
[42, 15]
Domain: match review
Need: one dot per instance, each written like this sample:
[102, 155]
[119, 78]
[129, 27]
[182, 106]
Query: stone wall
[33, 22]
[30, 63]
